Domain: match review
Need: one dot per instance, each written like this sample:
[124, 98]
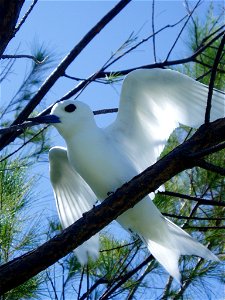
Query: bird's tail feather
[174, 242]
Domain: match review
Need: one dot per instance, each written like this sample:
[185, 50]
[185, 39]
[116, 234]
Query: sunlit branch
[22, 21]
[8, 56]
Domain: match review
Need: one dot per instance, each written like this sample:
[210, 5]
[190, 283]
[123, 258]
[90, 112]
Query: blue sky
[59, 25]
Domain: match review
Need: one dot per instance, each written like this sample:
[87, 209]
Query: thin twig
[212, 79]
[212, 34]
[126, 277]
[199, 200]
[119, 247]
[105, 111]
[208, 66]
[24, 144]
[203, 75]
[8, 56]
[101, 280]
[210, 167]
[153, 30]
[208, 151]
[182, 29]
[192, 218]
[145, 40]
[22, 21]
[80, 284]
[20, 127]
[204, 228]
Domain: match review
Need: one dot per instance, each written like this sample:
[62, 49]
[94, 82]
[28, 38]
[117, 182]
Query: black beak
[48, 119]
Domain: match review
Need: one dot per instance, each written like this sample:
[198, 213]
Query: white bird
[99, 160]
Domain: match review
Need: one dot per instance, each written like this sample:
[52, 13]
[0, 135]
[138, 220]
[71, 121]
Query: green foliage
[28, 290]
[17, 231]
[200, 33]
[38, 68]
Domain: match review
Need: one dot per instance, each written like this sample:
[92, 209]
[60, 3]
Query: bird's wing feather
[73, 197]
[152, 104]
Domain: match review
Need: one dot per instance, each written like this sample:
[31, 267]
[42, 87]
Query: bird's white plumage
[152, 104]
[73, 198]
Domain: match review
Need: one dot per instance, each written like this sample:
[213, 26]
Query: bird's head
[69, 117]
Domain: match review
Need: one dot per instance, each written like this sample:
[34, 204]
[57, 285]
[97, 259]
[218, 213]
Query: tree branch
[25, 16]
[182, 29]
[28, 265]
[196, 199]
[9, 13]
[210, 167]
[8, 56]
[192, 218]
[213, 77]
[126, 277]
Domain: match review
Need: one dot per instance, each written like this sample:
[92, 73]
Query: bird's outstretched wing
[152, 104]
[73, 197]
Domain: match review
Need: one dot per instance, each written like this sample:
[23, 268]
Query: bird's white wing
[73, 197]
[152, 104]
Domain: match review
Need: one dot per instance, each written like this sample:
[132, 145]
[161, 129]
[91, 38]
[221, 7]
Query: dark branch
[8, 56]
[182, 29]
[208, 151]
[126, 277]
[196, 199]
[213, 77]
[153, 30]
[192, 218]
[210, 167]
[9, 13]
[204, 228]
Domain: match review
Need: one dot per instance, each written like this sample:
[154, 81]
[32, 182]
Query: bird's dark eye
[70, 108]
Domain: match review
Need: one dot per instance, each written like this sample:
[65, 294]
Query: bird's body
[97, 161]
[99, 152]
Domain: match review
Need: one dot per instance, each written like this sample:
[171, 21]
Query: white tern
[99, 160]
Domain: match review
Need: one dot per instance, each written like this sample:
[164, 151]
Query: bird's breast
[101, 164]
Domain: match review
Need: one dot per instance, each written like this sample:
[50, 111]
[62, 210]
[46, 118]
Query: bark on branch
[9, 13]
[24, 267]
